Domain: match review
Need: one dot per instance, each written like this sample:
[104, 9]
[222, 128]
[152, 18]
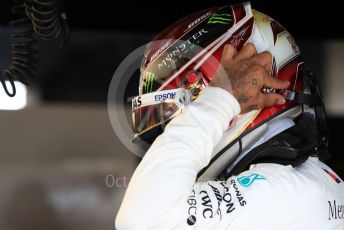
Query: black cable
[48, 19]
[37, 20]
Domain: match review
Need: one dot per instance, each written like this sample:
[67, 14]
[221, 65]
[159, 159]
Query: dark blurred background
[60, 159]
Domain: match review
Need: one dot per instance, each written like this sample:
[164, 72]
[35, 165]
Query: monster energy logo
[220, 19]
[148, 81]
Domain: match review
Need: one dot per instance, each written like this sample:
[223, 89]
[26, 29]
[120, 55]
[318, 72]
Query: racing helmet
[184, 57]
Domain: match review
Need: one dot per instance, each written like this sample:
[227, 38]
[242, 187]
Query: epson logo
[165, 96]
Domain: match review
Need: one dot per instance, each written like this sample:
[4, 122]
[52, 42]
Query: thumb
[228, 53]
[273, 99]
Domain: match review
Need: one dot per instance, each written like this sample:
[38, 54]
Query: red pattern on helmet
[239, 12]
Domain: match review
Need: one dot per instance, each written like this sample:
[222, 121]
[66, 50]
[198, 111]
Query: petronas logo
[148, 81]
[220, 19]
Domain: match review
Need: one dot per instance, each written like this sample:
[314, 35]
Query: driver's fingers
[246, 52]
[228, 53]
[272, 82]
[272, 99]
[263, 59]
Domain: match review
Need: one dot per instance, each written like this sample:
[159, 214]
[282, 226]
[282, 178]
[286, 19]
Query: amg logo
[335, 211]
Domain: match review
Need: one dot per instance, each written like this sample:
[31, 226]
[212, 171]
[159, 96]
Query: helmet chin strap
[274, 128]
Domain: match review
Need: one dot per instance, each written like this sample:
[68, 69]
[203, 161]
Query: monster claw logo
[148, 81]
[220, 19]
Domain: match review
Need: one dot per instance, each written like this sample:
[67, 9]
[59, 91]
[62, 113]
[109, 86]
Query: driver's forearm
[168, 171]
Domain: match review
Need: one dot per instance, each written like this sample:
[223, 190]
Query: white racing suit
[163, 195]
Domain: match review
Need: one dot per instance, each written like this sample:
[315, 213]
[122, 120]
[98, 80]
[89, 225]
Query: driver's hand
[246, 74]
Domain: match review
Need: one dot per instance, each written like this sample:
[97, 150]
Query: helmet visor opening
[154, 109]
